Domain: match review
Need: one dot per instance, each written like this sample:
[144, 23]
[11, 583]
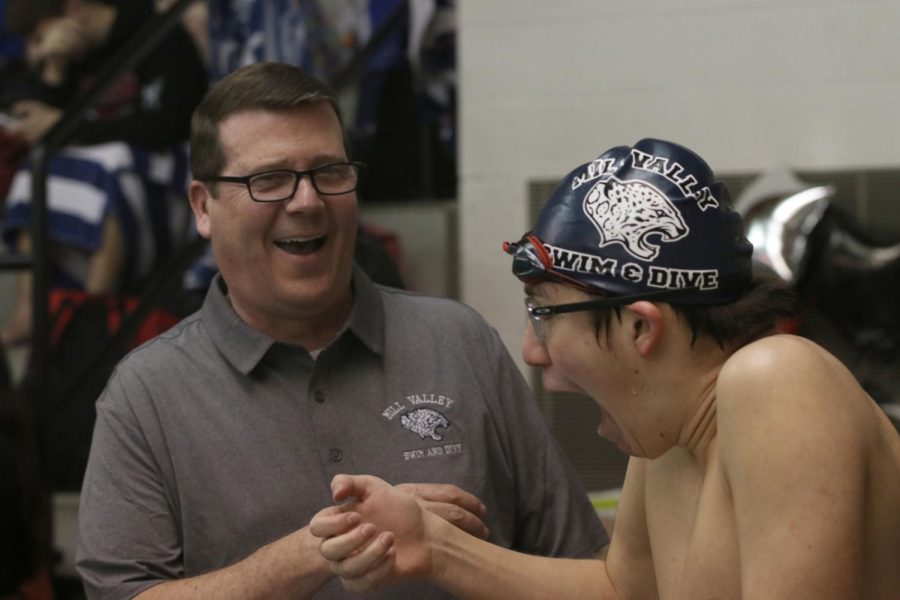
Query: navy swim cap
[637, 220]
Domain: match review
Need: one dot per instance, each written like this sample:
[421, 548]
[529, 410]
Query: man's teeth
[301, 244]
[301, 239]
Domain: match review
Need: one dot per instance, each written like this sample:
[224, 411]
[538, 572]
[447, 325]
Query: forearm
[473, 569]
[290, 567]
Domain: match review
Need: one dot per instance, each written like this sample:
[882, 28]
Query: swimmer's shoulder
[784, 383]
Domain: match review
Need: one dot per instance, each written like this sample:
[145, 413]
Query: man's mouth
[301, 246]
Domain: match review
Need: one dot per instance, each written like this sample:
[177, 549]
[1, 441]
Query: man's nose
[534, 351]
[305, 197]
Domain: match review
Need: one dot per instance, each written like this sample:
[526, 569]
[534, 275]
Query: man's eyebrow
[529, 289]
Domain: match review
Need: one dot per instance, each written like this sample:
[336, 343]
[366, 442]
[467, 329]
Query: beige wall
[749, 84]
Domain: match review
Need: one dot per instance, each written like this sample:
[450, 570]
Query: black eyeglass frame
[538, 311]
[298, 175]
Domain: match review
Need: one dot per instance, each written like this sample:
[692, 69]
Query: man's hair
[266, 86]
[765, 305]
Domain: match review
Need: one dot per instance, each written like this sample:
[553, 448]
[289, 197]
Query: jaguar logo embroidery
[426, 423]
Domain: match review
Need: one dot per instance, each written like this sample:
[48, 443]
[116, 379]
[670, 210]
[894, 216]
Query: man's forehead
[318, 113]
[270, 137]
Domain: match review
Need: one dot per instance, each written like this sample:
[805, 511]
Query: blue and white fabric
[145, 191]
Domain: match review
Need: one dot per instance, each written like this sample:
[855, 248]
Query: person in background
[759, 469]
[215, 442]
[100, 248]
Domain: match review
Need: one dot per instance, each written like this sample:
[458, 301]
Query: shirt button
[336, 454]
[319, 396]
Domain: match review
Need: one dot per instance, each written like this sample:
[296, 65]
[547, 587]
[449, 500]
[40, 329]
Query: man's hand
[32, 119]
[451, 504]
[378, 537]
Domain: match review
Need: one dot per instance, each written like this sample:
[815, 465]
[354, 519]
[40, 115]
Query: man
[215, 443]
[759, 467]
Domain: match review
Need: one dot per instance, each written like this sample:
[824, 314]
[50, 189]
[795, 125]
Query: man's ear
[645, 326]
[199, 196]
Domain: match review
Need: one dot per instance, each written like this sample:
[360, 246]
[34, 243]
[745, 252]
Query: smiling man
[215, 443]
[760, 469]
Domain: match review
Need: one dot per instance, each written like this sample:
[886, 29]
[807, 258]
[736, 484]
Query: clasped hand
[380, 535]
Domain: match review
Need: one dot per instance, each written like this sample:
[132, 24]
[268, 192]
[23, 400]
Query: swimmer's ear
[645, 326]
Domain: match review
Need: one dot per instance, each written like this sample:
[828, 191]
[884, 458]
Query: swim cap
[641, 219]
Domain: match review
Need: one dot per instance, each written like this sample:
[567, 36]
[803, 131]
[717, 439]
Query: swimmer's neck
[698, 431]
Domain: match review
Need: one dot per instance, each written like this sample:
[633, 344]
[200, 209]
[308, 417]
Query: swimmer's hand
[378, 537]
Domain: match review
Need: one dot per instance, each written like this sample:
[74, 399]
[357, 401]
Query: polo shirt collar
[367, 316]
[243, 346]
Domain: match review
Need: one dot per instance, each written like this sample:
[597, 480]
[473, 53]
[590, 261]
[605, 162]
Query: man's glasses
[281, 184]
[538, 313]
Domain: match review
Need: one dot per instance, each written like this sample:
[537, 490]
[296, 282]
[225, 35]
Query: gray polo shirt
[213, 439]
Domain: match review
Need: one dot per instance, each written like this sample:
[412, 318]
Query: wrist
[308, 554]
[440, 538]
[293, 564]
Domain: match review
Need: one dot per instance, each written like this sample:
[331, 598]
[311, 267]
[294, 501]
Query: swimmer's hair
[765, 305]
[760, 311]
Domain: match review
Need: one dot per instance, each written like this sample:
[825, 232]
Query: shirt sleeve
[128, 535]
[554, 516]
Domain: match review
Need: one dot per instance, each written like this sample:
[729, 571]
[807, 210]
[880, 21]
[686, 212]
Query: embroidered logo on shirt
[426, 422]
[424, 414]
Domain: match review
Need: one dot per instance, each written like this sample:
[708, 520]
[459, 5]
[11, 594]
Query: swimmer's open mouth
[301, 246]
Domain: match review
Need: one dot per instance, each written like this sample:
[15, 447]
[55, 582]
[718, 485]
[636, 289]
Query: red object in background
[65, 304]
[791, 325]
[389, 241]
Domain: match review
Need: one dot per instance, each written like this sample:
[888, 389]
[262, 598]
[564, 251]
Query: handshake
[378, 535]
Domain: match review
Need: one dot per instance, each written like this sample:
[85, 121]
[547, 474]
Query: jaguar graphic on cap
[640, 219]
[630, 212]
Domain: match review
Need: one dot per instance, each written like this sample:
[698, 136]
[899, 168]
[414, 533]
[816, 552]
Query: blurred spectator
[109, 197]
[405, 125]
[296, 32]
[196, 22]
[403, 95]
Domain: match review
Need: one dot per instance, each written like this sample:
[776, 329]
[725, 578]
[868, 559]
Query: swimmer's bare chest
[692, 529]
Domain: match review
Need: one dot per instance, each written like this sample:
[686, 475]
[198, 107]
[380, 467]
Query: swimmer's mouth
[301, 246]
